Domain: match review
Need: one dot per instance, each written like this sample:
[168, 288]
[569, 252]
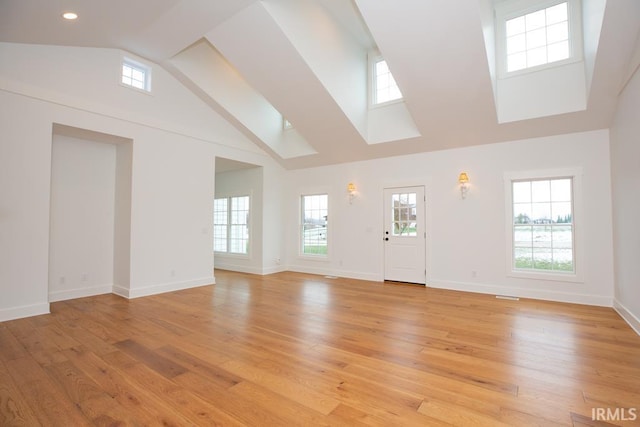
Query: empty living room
[320, 212]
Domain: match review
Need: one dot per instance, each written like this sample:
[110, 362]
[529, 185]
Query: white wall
[89, 79]
[176, 138]
[245, 182]
[557, 90]
[83, 178]
[463, 235]
[171, 210]
[25, 172]
[274, 225]
[625, 165]
[122, 216]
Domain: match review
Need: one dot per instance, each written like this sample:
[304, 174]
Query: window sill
[386, 104]
[504, 75]
[310, 257]
[540, 275]
[135, 89]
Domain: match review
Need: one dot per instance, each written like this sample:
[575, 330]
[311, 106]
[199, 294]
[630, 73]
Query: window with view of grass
[542, 225]
[313, 233]
[231, 225]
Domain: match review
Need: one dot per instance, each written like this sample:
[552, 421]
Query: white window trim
[576, 175]
[136, 64]
[512, 9]
[314, 257]
[373, 58]
[228, 254]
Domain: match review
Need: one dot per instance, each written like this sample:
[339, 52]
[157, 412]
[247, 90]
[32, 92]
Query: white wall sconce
[463, 180]
[351, 189]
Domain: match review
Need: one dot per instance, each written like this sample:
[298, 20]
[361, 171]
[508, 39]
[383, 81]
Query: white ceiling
[306, 59]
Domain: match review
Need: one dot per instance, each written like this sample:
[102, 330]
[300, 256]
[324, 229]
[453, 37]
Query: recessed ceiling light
[70, 16]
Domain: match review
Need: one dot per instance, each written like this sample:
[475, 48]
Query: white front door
[404, 235]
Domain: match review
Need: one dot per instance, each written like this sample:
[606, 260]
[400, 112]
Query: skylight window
[538, 38]
[385, 88]
[136, 75]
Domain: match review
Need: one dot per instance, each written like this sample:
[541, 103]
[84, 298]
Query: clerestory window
[540, 34]
[384, 86]
[136, 75]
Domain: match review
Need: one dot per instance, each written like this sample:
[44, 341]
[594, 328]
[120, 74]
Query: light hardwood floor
[296, 349]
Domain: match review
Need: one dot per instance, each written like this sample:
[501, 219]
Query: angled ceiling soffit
[217, 81]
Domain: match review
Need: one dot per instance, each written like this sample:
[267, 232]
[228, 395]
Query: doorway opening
[237, 216]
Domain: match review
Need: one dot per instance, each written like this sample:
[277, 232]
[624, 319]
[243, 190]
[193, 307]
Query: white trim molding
[627, 315]
[80, 293]
[144, 291]
[539, 294]
[24, 311]
[372, 277]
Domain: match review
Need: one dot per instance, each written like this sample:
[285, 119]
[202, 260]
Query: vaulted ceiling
[254, 61]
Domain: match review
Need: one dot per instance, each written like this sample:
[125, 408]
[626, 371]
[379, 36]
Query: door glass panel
[403, 207]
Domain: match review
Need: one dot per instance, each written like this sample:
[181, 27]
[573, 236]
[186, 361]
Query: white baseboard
[338, 273]
[24, 311]
[248, 269]
[358, 275]
[80, 293]
[238, 267]
[144, 291]
[541, 294]
[627, 315]
[274, 269]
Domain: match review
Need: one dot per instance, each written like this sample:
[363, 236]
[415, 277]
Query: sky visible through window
[220, 224]
[231, 225]
[386, 88]
[538, 38]
[134, 76]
